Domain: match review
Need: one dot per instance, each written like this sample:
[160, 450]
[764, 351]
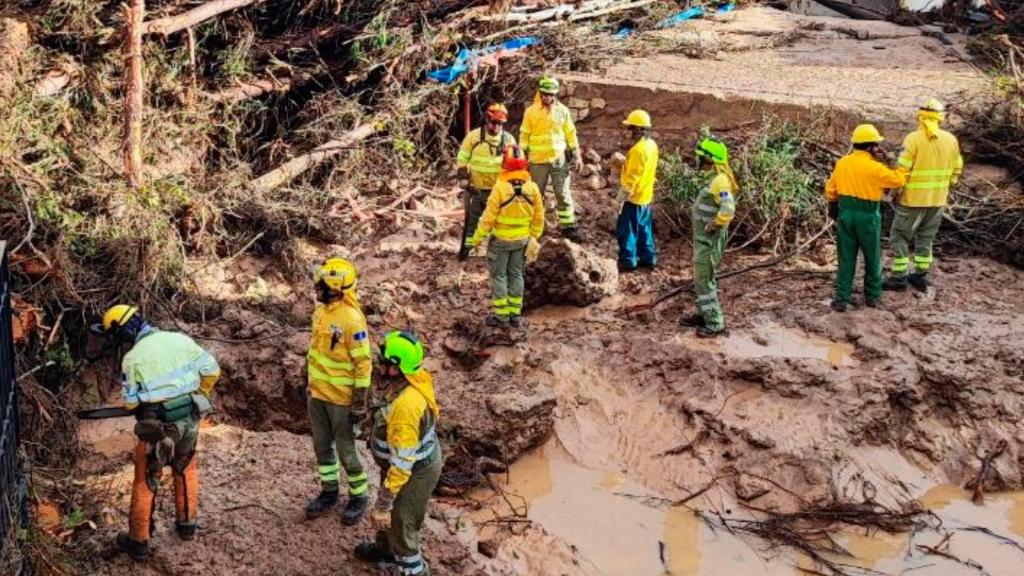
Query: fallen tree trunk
[246, 90]
[289, 170]
[170, 24]
[133, 92]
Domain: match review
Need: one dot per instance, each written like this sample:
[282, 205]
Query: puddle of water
[778, 341]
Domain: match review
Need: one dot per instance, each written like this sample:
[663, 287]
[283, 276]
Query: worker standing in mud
[713, 210]
[339, 366]
[405, 445]
[854, 193]
[480, 160]
[515, 217]
[635, 226]
[548, 137]
[931, 161]
[166, 379]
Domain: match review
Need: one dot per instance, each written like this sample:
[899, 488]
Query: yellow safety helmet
[932, 105]
[866, 134]
[638, 118]
[117, 315]
[337, 273]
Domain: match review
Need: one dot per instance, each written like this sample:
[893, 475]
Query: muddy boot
[691, 321]
[919, 281]
[495, 321]
[895, 283]
[135, 550]
[873, 304]
[839, 306]
[322, 504]
[572, 234]
[354, 510]
[371, 552]
[464, 253]
[517, 322]
[186, 531]
[705, 332]
[624, 268]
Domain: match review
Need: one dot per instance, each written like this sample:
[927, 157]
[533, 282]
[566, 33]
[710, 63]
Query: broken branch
[978, 497]
[298, 165]
[170, 24]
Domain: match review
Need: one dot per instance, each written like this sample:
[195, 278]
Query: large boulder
[568, 273]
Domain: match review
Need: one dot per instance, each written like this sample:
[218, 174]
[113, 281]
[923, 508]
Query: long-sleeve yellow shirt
[859, 175]
[639, 171]
[545, 132]
[931, 165]
[339, 357]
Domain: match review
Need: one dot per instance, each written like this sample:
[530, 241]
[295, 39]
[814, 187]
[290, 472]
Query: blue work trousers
[635, 231]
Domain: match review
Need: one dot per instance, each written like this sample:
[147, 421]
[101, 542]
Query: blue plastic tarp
[691, 13]
[466, 57]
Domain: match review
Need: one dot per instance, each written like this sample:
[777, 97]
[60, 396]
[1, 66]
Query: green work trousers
[917, 226]
[410, 508]
[507, 260]
[859, 229]
[707, 254]
[473, 202]
[333, 434]
[558, 173]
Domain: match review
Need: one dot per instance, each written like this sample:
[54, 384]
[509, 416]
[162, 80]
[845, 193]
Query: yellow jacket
[717, 202]
[859, 175]
[933, 164]
[405, 431]
[339, 353]
[546, 132]
[481, 154]
[511, 216]
[639, 171]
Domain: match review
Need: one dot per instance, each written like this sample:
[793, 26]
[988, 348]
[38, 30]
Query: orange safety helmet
[513, 160]
[497, 112]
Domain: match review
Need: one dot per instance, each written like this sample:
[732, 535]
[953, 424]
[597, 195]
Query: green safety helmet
[714, 150]
[402, 349]
[548, 85]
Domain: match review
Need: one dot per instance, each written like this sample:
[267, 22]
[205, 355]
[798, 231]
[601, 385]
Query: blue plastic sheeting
[690, 14]
[623, 33]
[465, 58]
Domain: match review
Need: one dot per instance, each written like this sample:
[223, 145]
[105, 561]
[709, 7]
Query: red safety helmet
[497, 112]
[514, 159]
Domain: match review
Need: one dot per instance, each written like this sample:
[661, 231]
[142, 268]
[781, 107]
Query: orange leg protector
[186, 493]
[140, 516]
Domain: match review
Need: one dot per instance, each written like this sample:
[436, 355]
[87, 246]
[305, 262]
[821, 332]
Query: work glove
[380, 517]
[711, 228]
[577, 161]
[833, 210]
[622, 196]
[532, 250]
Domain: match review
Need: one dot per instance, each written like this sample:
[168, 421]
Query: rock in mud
[567, 273]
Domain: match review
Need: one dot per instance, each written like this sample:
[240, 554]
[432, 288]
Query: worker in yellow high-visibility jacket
[932, 162]
[480, 157]
[548, 137]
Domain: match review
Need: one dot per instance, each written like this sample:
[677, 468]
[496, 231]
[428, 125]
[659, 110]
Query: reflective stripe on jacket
[715, 203]
[339, 353]
[165, 365]
[482, 154]
[933, 165]
[546, 132]
[859, 175]
[512, 216]
[405, 431]
[639, 171]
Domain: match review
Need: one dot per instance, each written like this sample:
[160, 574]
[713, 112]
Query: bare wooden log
[246, 90]
[133, 92]
[170, 24]
[289, 170]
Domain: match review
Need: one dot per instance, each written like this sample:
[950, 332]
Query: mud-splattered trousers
[558, 172]
[918, 226]
[507, 260]
[334, 435]
[859, 230]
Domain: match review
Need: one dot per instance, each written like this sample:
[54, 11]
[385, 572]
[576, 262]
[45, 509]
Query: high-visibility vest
[162, 366]
[482, 156]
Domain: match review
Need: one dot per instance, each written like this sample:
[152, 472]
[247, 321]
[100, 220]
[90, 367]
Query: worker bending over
[515, 218]
[405, 445]
[548, 137]
[635, 227]
[339, 367]
[854, 194]
[931, 161]
[166, 379]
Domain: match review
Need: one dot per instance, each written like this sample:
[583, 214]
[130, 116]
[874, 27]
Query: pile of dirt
[567, 273]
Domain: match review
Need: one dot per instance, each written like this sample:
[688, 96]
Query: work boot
[840, 306]
[623, 268]
[919, 281]
[873, 303]
[895, 283]
[571, 234]
[322, 504]
[464, 253]
[371, 552]
[186, 531]
[495, 321]
[517, 322]
[649, 265]
[692, 321]
[135, 550]
[705, 332]
[354, 510]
